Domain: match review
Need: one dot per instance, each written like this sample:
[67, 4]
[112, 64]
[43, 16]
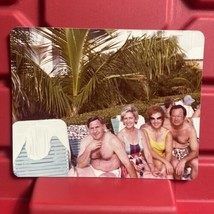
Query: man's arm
[194, 149]
[87, 145]
[193, 144]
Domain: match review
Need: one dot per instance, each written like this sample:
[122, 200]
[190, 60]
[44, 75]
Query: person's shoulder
[86, 139]
[165, 130]
[146, 129]
[121, 132]
[109, 134]
[111, 137]
[190, 131]
[188, 126]
[144, 126]
[196, 113]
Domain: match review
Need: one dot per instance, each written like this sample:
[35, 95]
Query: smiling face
[177, 117]
[129, 120]
[96, 129]
[156, 116]
[156, 120]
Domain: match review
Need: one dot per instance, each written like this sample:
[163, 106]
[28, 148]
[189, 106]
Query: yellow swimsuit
[159, 148]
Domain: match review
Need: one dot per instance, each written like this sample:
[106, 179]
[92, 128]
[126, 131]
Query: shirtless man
[185, 145]
[101, 153]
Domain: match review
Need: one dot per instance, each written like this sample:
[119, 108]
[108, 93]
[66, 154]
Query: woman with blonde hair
[135, 144]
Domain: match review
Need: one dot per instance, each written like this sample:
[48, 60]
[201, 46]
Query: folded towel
[38, 142]
[24, 133]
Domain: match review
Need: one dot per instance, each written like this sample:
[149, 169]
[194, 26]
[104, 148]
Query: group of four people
[164, 147]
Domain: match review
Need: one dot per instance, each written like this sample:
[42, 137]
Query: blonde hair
[129, 108]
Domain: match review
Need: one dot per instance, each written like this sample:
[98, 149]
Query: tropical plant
[152, 58]
[90, 70]
[31, 86]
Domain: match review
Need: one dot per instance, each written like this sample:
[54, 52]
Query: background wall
[62, 195]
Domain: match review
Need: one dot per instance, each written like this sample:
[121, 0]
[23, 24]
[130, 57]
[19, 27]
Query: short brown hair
[91, 119]
[178, 107]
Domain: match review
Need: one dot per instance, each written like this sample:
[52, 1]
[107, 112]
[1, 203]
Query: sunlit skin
[103, 151]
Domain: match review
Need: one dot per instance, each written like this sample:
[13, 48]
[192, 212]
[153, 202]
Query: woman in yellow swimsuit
[160, 141]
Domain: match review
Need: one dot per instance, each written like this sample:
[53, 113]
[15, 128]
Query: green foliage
[98, 76]
[108, 113]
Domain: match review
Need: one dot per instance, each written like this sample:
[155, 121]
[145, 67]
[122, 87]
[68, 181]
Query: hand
[169, 168]
[139, 167]
[156, 172]
[180, 168]
[94, 145]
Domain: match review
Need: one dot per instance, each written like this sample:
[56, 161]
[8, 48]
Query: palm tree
[82, 50]
[87, 56]
[31, 86]
[94, 66]
[152, 57]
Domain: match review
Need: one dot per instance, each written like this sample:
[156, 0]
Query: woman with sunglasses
[135, 144]
[160, 141]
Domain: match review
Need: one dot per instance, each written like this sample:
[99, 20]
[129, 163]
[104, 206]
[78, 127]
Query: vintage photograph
[113, 103]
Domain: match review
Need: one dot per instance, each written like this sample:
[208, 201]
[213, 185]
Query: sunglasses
[157, 118]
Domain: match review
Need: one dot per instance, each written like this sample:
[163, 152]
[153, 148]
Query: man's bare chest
[103, 153]
[180, 136]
